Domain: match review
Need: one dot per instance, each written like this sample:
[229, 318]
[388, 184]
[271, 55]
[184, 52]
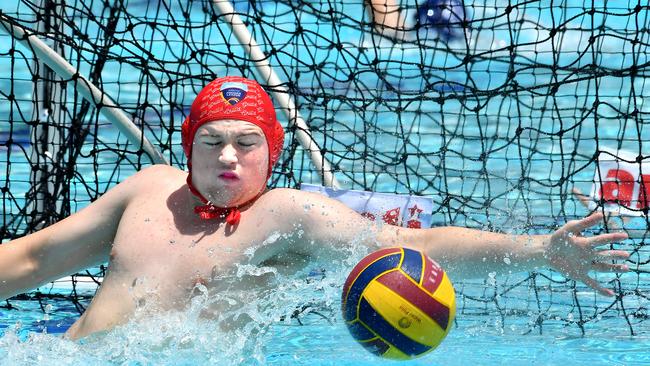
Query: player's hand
[574, 255]
[613, 219]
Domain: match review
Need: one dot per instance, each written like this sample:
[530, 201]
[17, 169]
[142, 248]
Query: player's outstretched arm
[464, 253]
[474, 253]
[82, 240]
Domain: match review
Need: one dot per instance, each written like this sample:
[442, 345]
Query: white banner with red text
[393, 209]
[621, 184]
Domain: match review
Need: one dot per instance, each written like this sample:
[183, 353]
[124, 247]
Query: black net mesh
[496, 109]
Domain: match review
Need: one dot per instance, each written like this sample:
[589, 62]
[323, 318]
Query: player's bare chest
[151, 239]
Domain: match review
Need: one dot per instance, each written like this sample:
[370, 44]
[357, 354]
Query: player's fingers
[585, 200]
[608, 267]
[595, 285]
[606, 238]
[613, 254]
[576, 226]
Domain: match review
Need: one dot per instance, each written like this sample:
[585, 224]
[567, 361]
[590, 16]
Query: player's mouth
[229, 176]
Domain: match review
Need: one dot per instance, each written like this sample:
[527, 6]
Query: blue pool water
[31, 335]
[178, 339]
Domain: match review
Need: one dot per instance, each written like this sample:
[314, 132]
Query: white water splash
[229, 326]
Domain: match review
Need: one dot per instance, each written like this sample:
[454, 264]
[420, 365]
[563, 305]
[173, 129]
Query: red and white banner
[394, 209]
[621, 186]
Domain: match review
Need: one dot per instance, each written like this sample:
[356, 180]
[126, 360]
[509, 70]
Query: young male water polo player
[158, 225]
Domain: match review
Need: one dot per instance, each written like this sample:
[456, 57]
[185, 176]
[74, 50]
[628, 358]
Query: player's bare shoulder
[156, 177]
[160, 171]
[154, 181]
[285, 200]
[285, 203]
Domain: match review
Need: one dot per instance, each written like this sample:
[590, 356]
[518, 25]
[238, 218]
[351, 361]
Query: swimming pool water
[478, 340]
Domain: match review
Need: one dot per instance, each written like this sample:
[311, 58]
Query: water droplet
[491, 280]
[506, 260]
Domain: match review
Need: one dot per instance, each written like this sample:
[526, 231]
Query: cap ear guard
[276, 149]
[185, 138]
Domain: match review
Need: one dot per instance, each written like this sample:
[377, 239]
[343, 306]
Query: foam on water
[226, 327]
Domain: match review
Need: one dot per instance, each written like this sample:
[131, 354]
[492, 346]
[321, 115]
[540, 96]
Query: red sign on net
[621, 187]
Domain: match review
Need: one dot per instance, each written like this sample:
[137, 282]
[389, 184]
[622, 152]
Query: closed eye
[249, 140]
[247, 143]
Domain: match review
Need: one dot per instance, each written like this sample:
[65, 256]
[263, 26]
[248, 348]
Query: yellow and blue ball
[398, 303]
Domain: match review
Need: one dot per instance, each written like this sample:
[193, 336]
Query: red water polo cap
[234, 97]
[238, 98]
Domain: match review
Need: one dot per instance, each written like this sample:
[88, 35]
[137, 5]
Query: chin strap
[209, 211]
